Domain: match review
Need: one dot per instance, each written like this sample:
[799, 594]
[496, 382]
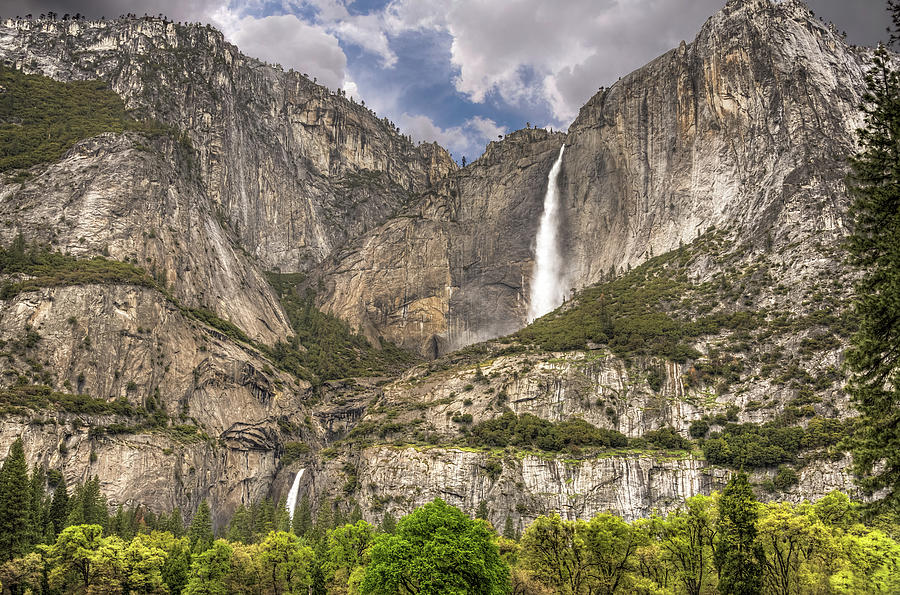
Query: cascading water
[547, 287]
[291, 502]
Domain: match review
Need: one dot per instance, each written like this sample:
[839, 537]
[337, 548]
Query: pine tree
[263, 519]
[874, 357]
[124, 523]
[324, 521]
[739, 556]
[509, 532]
[337, 519]
[302, 521]
[240, 528]
[355, 514]
[59, 507]
[147, 522]
[88, 505]
[482, 511]
[176, 569]
[175, 523]
[39, 509]
[15, 497]
[388, 524]
[200, 533]
[282, 520]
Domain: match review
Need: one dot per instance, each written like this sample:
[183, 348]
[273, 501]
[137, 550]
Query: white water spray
[547, 287]
[292, 494]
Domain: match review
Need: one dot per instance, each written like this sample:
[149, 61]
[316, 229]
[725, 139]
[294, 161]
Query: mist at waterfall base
[547, 286]
[291, 502]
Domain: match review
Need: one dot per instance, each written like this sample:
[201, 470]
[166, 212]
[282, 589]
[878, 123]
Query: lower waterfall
[291, 502]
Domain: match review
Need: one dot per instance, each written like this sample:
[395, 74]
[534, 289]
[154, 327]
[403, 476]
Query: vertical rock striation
[295, 168]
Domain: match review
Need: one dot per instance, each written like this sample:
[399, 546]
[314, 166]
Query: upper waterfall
[547, 287]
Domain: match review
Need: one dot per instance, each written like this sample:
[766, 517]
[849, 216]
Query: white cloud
[286, 40]
[486, 127]
[364, 30]
[406, 15]
[467, 140]
[351, 90]
[532, 52]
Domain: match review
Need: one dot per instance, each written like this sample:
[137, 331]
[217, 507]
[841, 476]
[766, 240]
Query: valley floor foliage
[727, 543]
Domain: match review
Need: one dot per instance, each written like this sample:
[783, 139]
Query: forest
[725, 542]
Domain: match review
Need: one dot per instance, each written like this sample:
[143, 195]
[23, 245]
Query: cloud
[468, 139]
[529, 52]
[366, 31]
[528, 59]
[300, 46]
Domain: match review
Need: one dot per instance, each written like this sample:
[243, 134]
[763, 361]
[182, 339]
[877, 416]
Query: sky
[459, 72]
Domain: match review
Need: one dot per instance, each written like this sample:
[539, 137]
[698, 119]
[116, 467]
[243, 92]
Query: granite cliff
[703, 192]
[747, 127]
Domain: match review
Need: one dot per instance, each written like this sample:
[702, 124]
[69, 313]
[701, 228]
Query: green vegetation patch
[294, 451]
[324, 347]
[751, 445]
[132, 419]
[20, 399]
[41, 119]
[228, 328]
[54, 269]
[635, 314]
[527, 430]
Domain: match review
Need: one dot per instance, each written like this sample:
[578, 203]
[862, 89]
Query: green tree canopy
[553, 555]
[347, 553]
[437, 549]
[74, 559]
[285, 563]
[200, 533]
[685, 538]
[210, 570]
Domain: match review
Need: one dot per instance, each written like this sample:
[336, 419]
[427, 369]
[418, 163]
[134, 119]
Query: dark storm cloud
[193, 10]
[865, 21]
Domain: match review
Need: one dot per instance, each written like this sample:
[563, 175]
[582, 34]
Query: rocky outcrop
[136, 199]
[296, 169]
[452, 269]
[524, 486]
[147, 469]
[132, 344]
[746, 128]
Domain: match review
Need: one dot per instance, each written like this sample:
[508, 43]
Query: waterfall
[292, 494]
[547, 287]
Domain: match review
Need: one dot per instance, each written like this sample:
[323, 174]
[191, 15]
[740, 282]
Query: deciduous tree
[437, 549]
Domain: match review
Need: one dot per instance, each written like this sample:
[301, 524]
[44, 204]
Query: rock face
[745, 130]
[397, 480]
[295, 168]
[132, 344]
[453, 268]
[748, 128]
[133, 199]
